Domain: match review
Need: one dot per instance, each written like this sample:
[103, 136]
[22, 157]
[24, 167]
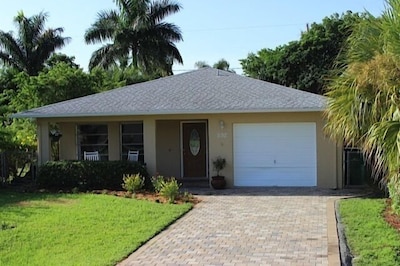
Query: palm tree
[33, 45]
[137, 36]
[364, 104]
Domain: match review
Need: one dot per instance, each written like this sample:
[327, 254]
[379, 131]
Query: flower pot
[218, 182]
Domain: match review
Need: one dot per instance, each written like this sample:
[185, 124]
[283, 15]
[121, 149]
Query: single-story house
[270, 135]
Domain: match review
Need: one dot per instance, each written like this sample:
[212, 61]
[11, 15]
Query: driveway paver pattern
[269, 226]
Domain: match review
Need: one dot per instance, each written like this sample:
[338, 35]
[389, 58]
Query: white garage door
[275, 154]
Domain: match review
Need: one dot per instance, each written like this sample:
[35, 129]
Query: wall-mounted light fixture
[221, 124]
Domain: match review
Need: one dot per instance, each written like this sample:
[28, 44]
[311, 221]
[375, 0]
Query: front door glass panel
[194, 142]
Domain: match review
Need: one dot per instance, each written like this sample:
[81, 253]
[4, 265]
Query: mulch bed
[390, 217]
[150, 196]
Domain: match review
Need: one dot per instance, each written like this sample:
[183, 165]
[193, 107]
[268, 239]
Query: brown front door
[194, 149]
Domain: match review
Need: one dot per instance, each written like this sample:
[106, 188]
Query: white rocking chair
[133, 156]
[91, 156]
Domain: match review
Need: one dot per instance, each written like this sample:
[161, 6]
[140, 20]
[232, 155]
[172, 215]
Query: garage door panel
[252, 143]
[263, 160]
[275, 154]
[293, 161]
[256, 158]
[283, 155]
[274, 177]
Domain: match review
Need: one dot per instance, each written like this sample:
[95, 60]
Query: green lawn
[371, 240]
[77, 229]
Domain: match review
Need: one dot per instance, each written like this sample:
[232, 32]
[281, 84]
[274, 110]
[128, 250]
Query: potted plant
[218, 181]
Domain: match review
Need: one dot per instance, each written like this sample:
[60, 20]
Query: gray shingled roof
[206, 90]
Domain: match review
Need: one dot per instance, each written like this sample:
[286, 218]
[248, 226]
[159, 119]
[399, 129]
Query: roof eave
[167, 112]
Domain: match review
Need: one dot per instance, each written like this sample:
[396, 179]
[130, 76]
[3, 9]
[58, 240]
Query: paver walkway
[272, 226]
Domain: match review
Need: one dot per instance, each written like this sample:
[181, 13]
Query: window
[93, 138]
[132, 139]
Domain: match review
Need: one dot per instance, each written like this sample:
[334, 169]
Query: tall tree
[58, 58]
[201, 64]
[55, 83]
[32, 46]
[222, 64]
[304, 64]
[136, 35]
[363, 109]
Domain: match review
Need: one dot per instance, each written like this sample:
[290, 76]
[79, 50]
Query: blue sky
[212, 29]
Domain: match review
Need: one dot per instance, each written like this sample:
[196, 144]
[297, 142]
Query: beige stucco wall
[68, 141]
[43, 146]
[149, 144]
[221, 142]
[162, 141]
[168, 155]
[114, 147]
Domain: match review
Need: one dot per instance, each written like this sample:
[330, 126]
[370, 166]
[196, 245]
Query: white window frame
[123, 155]
[79, 150]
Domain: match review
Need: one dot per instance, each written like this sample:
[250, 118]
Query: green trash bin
[356, 169]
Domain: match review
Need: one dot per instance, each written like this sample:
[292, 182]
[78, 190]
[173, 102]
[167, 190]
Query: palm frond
[104, 28]
[132, 8]
[384, 146]
[106, 56]
[167, 31]
[364, 97]
[12, 52]
[48, 42]
[33, 44]
[37, 26]
[159, 10]
[138, 35]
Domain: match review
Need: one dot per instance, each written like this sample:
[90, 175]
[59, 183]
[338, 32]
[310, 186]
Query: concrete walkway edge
[333, 241]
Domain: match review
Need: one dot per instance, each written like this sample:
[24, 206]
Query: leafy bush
[17, 164]
[170, 189]
[157, 182]
[187, 197]
[133, 183]
[88, 175]
[219, 164]
[167, 187]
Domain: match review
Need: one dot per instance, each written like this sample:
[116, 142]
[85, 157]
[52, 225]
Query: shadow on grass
[25, 205]
[10, 197]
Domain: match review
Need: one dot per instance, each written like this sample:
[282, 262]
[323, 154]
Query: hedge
[88, 175]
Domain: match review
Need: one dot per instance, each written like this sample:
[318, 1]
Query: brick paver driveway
[272, 226]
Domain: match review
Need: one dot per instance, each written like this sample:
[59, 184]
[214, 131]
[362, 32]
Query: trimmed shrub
[167, 187]
[133, 183]
[157, 182]
[170, 189]
[88, 175]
